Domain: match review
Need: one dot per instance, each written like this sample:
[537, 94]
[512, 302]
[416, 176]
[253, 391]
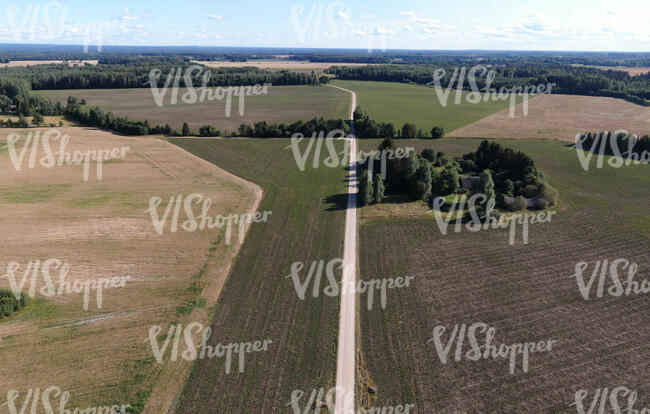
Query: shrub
[549, 194]
[9, 304]
[22, 122]
[208, 131]
[37, 119]
[518, 204]
[540, 203]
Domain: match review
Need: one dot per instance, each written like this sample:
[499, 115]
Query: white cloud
[214, 17]
[127, 15]
[409, 14]
[423, 24]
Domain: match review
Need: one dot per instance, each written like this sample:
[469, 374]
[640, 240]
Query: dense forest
[135, 74]
[480, 57]
[575, 80]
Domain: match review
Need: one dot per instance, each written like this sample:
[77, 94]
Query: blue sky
[593, 25]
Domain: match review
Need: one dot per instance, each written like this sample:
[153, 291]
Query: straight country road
[346, 358]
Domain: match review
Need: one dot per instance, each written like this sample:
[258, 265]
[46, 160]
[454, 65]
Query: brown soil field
[19, 63]
[101, 229]
[634, 71]
[561, 117]
[525, 291]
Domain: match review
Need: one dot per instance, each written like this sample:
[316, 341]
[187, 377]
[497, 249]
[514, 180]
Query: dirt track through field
[346, 359]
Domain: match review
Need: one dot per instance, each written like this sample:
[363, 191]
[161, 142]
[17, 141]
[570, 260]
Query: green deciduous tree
[450, 180]
[409, 131]
[365, 190]
[186, 130]
[421, 187]
[429, 154]
[437, 133]
[486, 184]
[378, 189]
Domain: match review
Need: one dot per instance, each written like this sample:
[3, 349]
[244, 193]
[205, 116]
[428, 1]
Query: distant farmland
[282, 104]
[280, 64]
[632, 71]
[562, 117]
[418, 104]
[525, 291]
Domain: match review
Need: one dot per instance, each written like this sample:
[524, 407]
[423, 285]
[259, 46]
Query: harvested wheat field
[101, 229]
[561, 117]
[633, 71]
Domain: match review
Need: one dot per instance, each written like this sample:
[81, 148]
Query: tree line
[136, 75]
[609, 143]
[571, 80]
[366, 127]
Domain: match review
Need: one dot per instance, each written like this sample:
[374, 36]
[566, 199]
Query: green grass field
[282, 104]
[525, 291]
[400, 103]
[258, 301]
